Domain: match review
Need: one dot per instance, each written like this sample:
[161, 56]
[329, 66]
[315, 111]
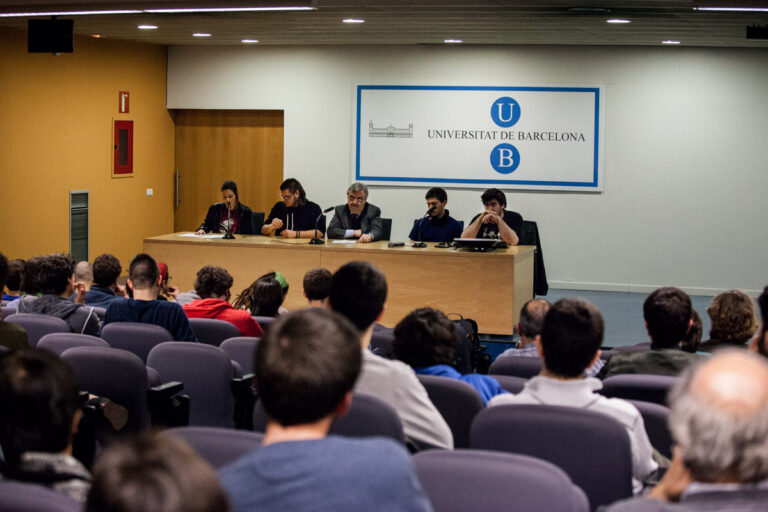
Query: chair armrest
[167, 407]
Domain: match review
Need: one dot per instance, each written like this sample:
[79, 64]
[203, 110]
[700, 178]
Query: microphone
[228, 234]
[315, 240]
[419, 244]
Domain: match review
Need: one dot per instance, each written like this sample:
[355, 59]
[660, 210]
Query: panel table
[487, 287]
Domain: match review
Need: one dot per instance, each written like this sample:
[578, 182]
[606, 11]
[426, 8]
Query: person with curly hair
[212, 284]
[734, 321]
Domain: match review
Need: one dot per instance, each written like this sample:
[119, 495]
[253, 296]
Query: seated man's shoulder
[644, 505]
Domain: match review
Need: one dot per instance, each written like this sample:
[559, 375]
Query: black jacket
[213, 217]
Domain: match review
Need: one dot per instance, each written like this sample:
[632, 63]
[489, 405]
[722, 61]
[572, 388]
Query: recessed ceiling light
[249, 41]
[617, 20]
[147, 27]
[201, 34]
[669, 41]
[732, 9]
[452, 41]
[63, 13]
[353, 20]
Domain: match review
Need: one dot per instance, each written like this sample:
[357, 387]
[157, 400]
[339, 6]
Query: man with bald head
[719, 420]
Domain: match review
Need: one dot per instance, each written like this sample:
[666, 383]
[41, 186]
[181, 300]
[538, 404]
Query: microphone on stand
[418, 243]
[228, 234]
[315, 240]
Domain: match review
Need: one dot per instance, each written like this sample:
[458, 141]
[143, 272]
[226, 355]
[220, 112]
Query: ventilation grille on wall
[78, 224]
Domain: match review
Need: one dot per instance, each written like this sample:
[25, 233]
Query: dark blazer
[369, 224]
[212, 218]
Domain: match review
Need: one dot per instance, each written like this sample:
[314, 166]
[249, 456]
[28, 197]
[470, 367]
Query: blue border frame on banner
[594, 90]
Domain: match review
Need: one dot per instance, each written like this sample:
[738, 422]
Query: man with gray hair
[358, 218]
[719, 420]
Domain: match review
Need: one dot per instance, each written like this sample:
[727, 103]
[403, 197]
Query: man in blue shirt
[144, 279]
[105, 288]
[437, 225]
[305, 370]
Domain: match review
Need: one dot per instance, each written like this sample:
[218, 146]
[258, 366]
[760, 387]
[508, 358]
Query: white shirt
[395, 383]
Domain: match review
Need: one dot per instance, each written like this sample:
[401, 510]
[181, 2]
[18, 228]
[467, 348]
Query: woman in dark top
[238, 218]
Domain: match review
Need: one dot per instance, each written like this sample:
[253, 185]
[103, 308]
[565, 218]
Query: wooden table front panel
[488, 287]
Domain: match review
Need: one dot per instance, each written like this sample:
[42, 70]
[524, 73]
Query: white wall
[686, 178]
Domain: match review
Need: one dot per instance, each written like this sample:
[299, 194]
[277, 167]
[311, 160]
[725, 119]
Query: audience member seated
[439, 226]
[153, 474]
[529, 329]
[719, 421]
[359, 292]
[265, 296]
[29, 287]
[668, 317]
[213, 285]
[144, 280]
[12, 336]
[305, 371]
[105, 288]
[734, 321]
[317, 287]
[39, 414]
[167, 292]
[84, 274]
[760, 342]
[56, 281]
[692, 339]
[570, 343]
[427, 341]
[358, 218]
[13, 280]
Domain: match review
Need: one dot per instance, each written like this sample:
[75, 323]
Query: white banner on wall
[508, 137]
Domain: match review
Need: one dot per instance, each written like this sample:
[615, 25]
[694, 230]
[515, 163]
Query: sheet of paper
[344, 242]
[212, 235]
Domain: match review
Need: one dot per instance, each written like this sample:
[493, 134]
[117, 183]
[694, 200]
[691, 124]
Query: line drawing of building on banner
[390, 131]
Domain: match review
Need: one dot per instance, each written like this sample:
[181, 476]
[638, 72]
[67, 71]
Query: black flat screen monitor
[50, 36]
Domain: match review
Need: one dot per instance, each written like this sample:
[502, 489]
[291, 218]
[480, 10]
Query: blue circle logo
[505, 158]
[505, 112]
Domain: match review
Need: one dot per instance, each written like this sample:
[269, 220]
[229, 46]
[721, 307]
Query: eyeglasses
[285, 197]
[355, 199]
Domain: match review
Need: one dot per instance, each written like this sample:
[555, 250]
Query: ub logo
[505, 112]
[505, 158]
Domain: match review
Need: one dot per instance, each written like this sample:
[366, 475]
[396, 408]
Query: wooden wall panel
[216, 145]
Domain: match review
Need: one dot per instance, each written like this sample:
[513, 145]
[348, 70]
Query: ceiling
[562, 22]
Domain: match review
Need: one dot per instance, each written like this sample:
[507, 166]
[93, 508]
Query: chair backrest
[58, 342]
[135, 337]
[386, 228]
[264, 322]
[592, 448]
[458, 403]
[512, 384]
[516, 366]
[8, 311]
[636, 386]
[461, 480]
[218, 446]
[257, 221]
[367, 417]
[22, 497]
[100, 312]
[211, 331]
[115, 374]
[38, 325]
[206, 372]
[241, 350]
[656, 420]
[382, 340]
[530, 236]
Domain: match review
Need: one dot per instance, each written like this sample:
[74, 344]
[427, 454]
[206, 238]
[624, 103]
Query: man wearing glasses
[495, 222]
[358, 218]
[294, 216]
